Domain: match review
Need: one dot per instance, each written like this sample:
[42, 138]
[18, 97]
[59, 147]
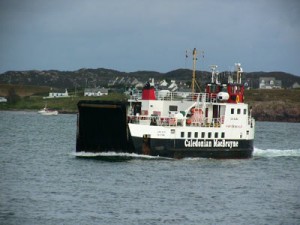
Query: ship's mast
[194, 81]
[194, 70]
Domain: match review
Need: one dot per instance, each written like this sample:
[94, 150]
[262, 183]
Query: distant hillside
[102, 77]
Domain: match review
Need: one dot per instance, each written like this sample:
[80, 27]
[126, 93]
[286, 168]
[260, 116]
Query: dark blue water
[42, 182]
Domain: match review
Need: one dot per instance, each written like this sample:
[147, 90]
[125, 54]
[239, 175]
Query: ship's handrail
[172, 121]
[178, 96]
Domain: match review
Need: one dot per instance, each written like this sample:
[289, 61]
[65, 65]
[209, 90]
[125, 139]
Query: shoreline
[257, 117]
[280, 105]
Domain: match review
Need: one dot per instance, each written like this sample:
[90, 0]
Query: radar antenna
[239, 71]
[214, 74]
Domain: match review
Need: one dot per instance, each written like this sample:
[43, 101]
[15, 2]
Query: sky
[135, 35]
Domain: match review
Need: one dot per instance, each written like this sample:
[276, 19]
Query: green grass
[289, 95]
[62, 104]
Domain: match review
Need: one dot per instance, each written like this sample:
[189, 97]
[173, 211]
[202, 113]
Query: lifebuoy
[193, 110]
[199, 111]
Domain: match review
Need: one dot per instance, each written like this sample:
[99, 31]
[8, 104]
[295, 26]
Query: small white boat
[47, 112]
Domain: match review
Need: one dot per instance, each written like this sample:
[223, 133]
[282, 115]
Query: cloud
[136, 34]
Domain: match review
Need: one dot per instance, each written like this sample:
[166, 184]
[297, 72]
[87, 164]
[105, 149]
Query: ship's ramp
[102, 127]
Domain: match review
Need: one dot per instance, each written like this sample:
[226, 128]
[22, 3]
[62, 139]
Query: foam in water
[256, 153]
[276, 152]
[115, 154]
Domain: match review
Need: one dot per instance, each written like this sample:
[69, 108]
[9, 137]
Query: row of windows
[239, 111]
[202, 135]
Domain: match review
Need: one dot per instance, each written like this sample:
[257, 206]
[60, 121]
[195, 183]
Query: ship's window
[196, 134]
[238, 111]
[222, 135]
[209, 134]
[203, 135]
[247, 132]
[182, 134]
[173, 108]
[216, 135]
[189, 134]
[245, 111]
[137, 109]
[232, 111]
[213, 88]
[224, 88]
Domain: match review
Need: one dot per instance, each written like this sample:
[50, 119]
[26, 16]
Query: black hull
[177, 149]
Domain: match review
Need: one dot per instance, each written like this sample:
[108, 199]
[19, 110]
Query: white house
[58, 95]
[173, 86]
[3, 99]
[95, 91]
[269, 83]
[163, 83]
[296, 85]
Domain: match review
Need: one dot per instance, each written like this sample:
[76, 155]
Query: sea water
[42, 182]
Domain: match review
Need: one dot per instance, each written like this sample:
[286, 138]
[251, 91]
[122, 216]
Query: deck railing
[171, 121]
[178, 96]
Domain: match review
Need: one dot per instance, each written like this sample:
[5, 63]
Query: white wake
[276, 152]
[256, 153]
[115, 154]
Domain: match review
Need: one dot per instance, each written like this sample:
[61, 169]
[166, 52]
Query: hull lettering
[190, 143]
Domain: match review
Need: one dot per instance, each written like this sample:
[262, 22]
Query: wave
[123, 156]
[115, 155]
[276, 152]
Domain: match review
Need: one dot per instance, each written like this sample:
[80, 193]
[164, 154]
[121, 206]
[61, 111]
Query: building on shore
[295, 85]
[269, 83]
[95, 91]
[3, 99]
[58, 95]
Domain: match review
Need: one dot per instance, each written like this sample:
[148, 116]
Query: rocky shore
[276, 111]
[275, 105]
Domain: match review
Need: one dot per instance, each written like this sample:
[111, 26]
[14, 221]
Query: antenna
[239, 71]
[186, 58]
[194, 69]
[214, 74]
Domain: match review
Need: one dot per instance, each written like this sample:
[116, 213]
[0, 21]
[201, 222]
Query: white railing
[177, 96]
[172, 121]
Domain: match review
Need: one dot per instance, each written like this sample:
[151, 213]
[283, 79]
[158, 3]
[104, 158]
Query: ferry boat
[214, 124]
